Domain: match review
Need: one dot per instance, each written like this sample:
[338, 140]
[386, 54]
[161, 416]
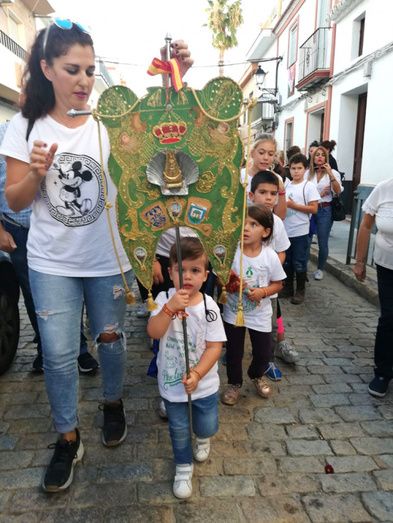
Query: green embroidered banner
[175, 159]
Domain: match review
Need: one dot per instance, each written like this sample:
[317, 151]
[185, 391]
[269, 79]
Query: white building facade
[333, 82]
[361, 114]
[19, 22]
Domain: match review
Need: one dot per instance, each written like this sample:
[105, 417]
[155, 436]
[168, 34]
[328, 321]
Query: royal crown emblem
[170, 132]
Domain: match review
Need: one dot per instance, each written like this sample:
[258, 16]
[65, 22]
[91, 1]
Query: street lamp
[260, 76]
[269, 95]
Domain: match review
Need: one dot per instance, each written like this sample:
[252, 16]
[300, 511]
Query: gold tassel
[239, 317]
[223, 296]
[130, 297]
[151, 304]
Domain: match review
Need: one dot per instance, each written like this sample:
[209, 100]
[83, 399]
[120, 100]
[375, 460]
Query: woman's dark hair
[291, 151]
[315, 143]
[329, 145]
[38, 90]
[264, 216]
[299, 158]
[263, 177]
[191, 248]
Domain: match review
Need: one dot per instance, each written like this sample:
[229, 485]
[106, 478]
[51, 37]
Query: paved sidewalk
[336, 263]
[268, 459]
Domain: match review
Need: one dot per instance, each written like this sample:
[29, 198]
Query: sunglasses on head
[61, 23]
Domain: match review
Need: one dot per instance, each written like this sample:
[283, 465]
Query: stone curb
[367, 289]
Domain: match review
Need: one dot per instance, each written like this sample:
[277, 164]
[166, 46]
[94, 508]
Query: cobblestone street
[268, 459]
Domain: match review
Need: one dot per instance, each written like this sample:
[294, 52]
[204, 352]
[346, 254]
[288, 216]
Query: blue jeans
[297, 254]
[324, 222]
[204, 420]
[19, 261]
[383, 350]
[59, 301]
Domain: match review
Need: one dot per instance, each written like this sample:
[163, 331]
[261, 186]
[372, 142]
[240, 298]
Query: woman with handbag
[378, 210]
[328, 183]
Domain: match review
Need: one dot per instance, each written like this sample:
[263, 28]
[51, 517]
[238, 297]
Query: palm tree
[224, 18]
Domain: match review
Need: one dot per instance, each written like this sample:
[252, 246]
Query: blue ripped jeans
[205, 424]
[323, 220]
[58, 303]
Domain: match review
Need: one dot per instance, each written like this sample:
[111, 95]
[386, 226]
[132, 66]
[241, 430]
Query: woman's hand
[359, 270]
[179, 301]
[41, 158]
[191, 383]
[179, 50]
[7, 243]
[328, 169]
[325, 191]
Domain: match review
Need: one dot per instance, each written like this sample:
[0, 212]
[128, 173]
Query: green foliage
[224, 18]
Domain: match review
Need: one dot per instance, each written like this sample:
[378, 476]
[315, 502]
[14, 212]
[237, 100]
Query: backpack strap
[210, 315]
[304, 196]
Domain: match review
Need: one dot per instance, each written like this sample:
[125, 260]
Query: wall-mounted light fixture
[268, 95]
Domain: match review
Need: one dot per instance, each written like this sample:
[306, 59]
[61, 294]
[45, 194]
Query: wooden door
[359, 138]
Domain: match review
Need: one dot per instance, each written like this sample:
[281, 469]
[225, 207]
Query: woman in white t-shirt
[378, 210]
[327, 181]
[53, 163]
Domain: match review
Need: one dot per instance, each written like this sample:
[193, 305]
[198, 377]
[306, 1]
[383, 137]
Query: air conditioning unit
[5, 2]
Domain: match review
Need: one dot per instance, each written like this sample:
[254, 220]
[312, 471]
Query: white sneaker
[162, 410]
[286, 352]
[318, 275]
[182, 484]
[201, 449]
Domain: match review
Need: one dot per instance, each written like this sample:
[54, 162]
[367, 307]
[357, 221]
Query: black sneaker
[38, 367]
[378, 386]
[114, 430]
[60, 471]
[87, 364]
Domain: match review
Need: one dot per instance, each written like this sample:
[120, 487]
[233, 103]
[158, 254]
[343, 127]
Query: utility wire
[119, 62]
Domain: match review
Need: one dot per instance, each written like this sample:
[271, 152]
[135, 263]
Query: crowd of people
[72, 265]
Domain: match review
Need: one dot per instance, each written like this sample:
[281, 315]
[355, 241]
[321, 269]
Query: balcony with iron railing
[12, 46]
[314, 59]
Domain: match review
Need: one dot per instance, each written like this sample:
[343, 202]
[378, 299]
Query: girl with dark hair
[311, 148]
[53, 163]
[262, 275]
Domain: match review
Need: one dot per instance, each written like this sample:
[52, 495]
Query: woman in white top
[327, 181]
[378, 210]
[53, 163]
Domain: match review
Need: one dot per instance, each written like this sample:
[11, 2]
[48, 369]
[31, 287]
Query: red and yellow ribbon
[171, 67]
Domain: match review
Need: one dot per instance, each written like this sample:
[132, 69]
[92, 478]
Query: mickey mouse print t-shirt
[258, 271]
[69, 232]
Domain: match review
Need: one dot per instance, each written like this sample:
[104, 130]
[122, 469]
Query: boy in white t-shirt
[302, 200]
[205, 334]
[264, 191]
